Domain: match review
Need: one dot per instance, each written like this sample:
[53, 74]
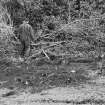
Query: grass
[44, 76]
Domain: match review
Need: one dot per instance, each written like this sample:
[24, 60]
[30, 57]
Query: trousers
[25, 49]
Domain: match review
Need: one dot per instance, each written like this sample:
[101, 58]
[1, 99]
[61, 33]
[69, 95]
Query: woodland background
[66, 31]
[80, 23]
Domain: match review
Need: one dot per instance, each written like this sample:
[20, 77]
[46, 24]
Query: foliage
[16, 11]
[6, 32]
[81, 23]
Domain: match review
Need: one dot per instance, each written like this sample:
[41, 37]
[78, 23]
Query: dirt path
[92, 93]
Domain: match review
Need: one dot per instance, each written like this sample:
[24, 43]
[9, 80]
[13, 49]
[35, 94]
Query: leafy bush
[63, 20]
[6, 32]
[35, 17]
[16, 11]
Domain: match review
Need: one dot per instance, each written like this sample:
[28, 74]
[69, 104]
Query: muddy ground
[72, 84]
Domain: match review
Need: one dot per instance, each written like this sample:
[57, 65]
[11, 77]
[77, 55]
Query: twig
[43, 49]
[45, 54]
[59, 42]
[39, 52]
[2, 82]
[51, 44]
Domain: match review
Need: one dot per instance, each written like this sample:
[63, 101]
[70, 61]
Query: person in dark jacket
[25, 36]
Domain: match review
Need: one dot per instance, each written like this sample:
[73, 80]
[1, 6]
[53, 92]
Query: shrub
[16, 11]
[6, 32]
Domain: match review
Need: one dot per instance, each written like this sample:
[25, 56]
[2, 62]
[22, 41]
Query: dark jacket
[25, 33]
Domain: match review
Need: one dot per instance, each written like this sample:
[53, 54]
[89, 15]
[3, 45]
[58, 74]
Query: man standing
[25, 34]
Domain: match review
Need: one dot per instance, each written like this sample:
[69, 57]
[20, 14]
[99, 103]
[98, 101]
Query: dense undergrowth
[79, 23]
[65, 31]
